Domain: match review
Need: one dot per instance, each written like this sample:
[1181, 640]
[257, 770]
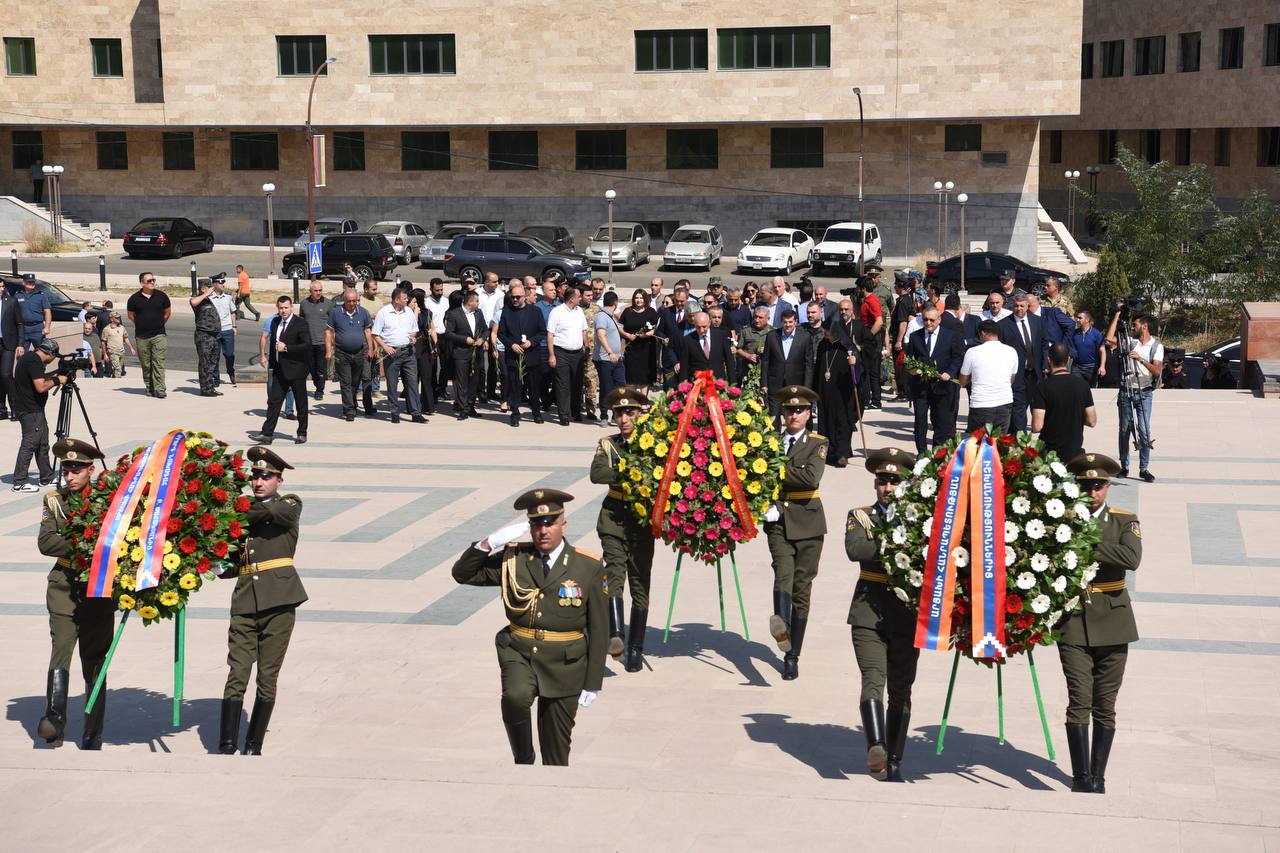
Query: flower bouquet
[921, 369]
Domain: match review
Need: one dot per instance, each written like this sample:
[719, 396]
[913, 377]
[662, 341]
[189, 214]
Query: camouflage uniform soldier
[590, 379]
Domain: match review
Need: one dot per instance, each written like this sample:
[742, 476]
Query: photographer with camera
[31, 388]
[1141, 358]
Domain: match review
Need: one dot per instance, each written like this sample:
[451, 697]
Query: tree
[1097, 292]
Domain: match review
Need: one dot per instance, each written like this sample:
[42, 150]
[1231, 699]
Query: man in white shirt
[783, 288]
[438, 305]
[491, 297]
[1137, 388]
[988, 370]
[993, 309]
[394, 331]
[226, 306]
[566, 343]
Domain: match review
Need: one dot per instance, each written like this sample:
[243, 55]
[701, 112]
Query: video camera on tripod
[69, 364]
[1126, 306]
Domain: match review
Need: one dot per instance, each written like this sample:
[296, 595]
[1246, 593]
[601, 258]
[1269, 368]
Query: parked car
[780, 249]
[67, 329]
[1227, 351]
[370, 256]
[406, 238]
[325, 227]
[630, 245]
[982, 271]
[511, 256]
[556, 236]
[166, 237]
[694, 246]
[842, 244]
[433, 250]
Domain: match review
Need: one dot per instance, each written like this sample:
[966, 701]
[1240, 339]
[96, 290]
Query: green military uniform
[1094, 645]
[882, 627]
[72, 616]
[263, 608]
[554, 644]
[625, 538]
[795, 537]
[590, 378]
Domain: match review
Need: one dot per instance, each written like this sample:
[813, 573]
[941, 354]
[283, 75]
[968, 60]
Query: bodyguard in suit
[708, 349]
[264, 603]
[554, 644]
[1024, 331]
[522, 332]
[935, 400]
[289, 360]
[673, 323]
[465, 329]
[789, 356]
[1095, 638]
[13, 341]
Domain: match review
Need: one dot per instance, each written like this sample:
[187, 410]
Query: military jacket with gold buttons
[616, 517]
[1105, 617]
[53, 541]
[267, 575]
[798, 501]
[569, 600]
[874, 604]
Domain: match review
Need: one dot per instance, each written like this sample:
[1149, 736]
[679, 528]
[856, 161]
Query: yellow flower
[773, 443]
[640, 421]
[125, 602]
[172, 561]
[148, 612]
[622, 464]
[187, 581]
[782, 473]
[645, 491]
[133, 534]
[776, 490]
[755, 405]
[659, 425]
[715, 469]
[685, 450]
[626, 488]
[127, 581]
[715, 451]
[168, 599]
[640, 510]
[754, 487]
[636, 475]
[646, 441]
[660, 450]
[136, 554]
[755, 439]
[739, 449]
[684, 469]
[673, 489]
[726, 493]
[759, 466]
[168, 547]
[729, 431]
[743, 418]
[671, 436]
[657, 473]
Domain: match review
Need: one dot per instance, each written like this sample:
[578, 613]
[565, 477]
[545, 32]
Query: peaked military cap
[1093, 466]
[626, 397]
[75, 451]
[543, 503]
[888, 460]
[872, 267]
[795, 397]
[265, 459]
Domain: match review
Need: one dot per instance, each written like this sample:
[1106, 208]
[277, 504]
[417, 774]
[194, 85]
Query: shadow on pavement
[133, 716]
[699, 641]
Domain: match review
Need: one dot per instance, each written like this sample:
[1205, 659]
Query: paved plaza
[387, 732]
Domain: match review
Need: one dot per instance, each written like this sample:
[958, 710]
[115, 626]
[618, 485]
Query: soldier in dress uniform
[795, 525]
[883, 627]
[72, 617]
[554, 644]
[625, 538]
[1095, 639]
[264, 604]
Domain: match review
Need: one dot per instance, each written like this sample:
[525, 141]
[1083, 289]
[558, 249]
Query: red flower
[187, 545]
[189, 507]
[189, 469]
[1031, 452]
[90, 531]
[193, 487]
[219, 496]
[961, 607]
[173, 525]
[1012, 603]
[202, 565]
[242, 504]
[84, 493]
[204, 452]
[1035, 638]
[237, 461]
[208, 522]
[219, 548]
[1006, 440]
[1014, 648]
[235, 531]
[215, 470]
[940, 453]
[980, 433]
[1024, 620]
[103, 485]
[1012, 468]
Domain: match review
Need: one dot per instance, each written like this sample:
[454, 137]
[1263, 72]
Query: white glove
[772, 514]
[587, 697]
[499, 538]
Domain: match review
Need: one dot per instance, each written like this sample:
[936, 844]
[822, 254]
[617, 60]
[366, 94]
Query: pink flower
[675, 407]
[689, 529]
[691, 491]
[685, 549]
[699, 515]
[736, 534]
[675, 520]
[709, 432]
[700, 445]
[719, 507]
[685, 387]
[735, 391]
[726, 405]
[712, 533]
[698, 477]
[682, 506]
[726, 522]
[722, 548]
[707, 497]
[700, 414]
[700, 460]
[721, 384]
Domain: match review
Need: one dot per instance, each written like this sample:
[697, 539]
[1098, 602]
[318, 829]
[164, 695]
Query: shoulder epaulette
[591, 555]
[817, 436]
[1115, 511]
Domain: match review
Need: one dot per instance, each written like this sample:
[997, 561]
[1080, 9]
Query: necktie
[928, 343]
[546, 566]
[1026, 338]
[706, 345]
[679, 317]
[791, 442]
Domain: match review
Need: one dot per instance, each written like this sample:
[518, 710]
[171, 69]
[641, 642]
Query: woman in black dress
[638, 324]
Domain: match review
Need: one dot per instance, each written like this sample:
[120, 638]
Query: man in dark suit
[13, 340]
[935, 400]
[708, 349]
[789, 355]
[673, 324]
[464, 327]
[1023, 331]
[289, 360]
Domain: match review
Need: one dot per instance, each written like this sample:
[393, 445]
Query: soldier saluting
[1095, 639]
[795, 525]
[883, 627]
[72, 616]
[624, 537]
[553, 646]
[264, 603]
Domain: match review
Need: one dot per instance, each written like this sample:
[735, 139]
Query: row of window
[1149, 53]
[1149, 146]
[106, 57]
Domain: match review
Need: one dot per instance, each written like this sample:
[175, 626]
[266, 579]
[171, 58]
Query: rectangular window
[1188, 52]
[1149, 146]
[1055, 146]
[774, 47]
[300, 56]
[418, 54]
[255, 152]
[1108, 145]
[1148, 56]
[159, 61]
[20, 57]
[1222, 146]
[1182, 147]
[1270, 51]
[671, 50]
[963, 137]
[513, 150]
[348, 151]
[28, 147]
[1269, 146]
[108, 59]
[179, 150]
[1113, 58]
[795, 148]
[693, 148]
[602, 149]
[113, 149]
[1231, 48]
[995, 158]
[424, 151]
[1086, 61]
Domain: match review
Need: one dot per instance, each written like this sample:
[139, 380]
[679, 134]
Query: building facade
[740, 115]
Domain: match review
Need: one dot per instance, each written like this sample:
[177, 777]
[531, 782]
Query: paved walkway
[387, 733]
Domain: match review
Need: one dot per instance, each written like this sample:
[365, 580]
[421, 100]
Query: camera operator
[1138, 380]
[30, 393]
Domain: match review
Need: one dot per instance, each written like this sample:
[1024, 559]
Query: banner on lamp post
[317, 160]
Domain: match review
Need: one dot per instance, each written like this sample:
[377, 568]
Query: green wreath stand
[675, 585]
[1035, 683]
[179, 663]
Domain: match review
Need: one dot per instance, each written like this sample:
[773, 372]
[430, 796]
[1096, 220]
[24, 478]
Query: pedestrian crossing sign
[313, 258]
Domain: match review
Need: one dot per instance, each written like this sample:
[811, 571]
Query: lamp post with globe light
[962, 198]
[311, 155]
[1072, 175]
[53, 175]
[270, 189]
[609, 196]
[943, 189]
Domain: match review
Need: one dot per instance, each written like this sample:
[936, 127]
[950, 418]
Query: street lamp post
[944, 195]
[962, 198]
[609, 196]
[52, 175]
[311, 156]
[1093, 171]
[270, 189]
[862, 209]
[1072, 175]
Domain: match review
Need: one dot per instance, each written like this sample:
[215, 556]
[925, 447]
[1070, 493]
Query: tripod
[1129, 397]
[71, 391]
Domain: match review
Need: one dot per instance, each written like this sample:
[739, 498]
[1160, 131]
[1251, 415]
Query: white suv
[841, 244]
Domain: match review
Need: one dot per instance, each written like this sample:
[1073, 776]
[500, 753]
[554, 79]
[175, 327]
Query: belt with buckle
[267, 565]
[873, 577]
[64, 563]
[617, 495]
[800, 496]
[1107, 586]
[542, 634]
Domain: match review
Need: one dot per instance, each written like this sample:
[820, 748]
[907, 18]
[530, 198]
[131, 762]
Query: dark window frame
[1108, 146]
[659, 51]
[600, 150]
[1230, 48]
[178, 149]
[1148, 56]
[254, 151]
[420, 151]
[792, 148]
[348, 151]
[1055, 147]
[109, 52]
[1190, 47]
[1149, 141]
[682, 145]
[505, 154]
[1268, 147]
[1182, 146]
[113, 150]
[1113, 58]
[1222, 146]
[287, 65]
[958, 137]
[27, 147]
[1086, 61]
[773, 48]
[415, 50]
[23, 49]
[1271, 45]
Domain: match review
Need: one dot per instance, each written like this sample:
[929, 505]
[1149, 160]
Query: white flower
[1010, 532]
[921, 464]
[1042, 484]
[899, 536]
[1021, 505]
[1071, 490]
[927, 527]
[1090, 573]
[1072, 604]
[962, 556]
[1062, 534]
[901, 491]
[1039, 562]
[1060, 583]
[1055, 508]
[1058, 468]
[901, 560]
[1052, 618]
[1040, 604]
[1071, 560]
[1083, 512]
[902, 596]
[928, 488]
[1026, 580]
[915, 577]
[1035, 528]
[910, 512]
[1010, 556]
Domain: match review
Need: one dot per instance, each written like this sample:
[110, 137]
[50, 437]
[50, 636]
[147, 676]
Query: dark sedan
[556, 236]
[982, 272]
[166, 237]
[511, 256]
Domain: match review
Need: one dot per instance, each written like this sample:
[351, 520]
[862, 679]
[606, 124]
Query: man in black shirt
[1062, 406]
[149, 310]
[30, 393]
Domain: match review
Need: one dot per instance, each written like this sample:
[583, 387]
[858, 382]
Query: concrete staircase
[1049, 252]
[1056, 249]
[19, 211]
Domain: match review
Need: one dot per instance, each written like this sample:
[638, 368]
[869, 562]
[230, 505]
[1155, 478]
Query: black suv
[370, 256]
[511, 256]
[556, 236]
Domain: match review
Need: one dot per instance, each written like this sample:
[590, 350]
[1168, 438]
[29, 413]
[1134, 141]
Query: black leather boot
[93, 720]
[873, 728]
[791, 660]
[1078, 746]
[520, 734]
[780, 621]
[1102, 738]
[54, 720]
[229, 726]
[899, 725]
[616, 626]
[635, 639]
[258, 726]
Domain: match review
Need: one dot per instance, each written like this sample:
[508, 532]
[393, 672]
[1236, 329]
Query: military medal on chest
[570, 594]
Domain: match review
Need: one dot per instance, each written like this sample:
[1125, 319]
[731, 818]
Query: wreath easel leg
[720, 590]
[1000, 697]
[946, 707]
[106, 664]
[733, 561]
[675, 584]
[1044, 722]
[179, 663]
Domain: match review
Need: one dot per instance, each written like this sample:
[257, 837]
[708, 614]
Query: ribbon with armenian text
[155, 518]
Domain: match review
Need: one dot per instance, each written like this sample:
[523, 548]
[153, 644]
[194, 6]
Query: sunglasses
[148, 281]
[261, 475]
